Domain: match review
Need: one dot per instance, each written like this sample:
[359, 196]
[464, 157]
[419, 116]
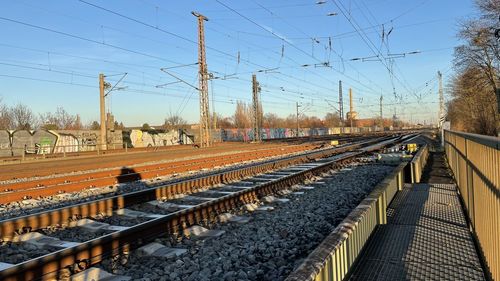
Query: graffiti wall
[67, 143]
[140, 138]
[5, 144]
[275, 133]
[85, 140]
[190, 136]
[280, 133]
[15, 143]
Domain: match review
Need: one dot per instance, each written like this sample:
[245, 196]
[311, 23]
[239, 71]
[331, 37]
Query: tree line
[474, 88]
[21, 117]
[243, 118]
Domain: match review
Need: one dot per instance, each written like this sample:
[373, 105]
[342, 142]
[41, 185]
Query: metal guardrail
[418, 162]
[335, 256]
[475, 162]
[333, 259]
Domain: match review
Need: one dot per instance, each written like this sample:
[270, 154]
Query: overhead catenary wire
[368, 42]
[85, 39]
[149, 25]
[157, 28]
[290, 79]
[277, 36]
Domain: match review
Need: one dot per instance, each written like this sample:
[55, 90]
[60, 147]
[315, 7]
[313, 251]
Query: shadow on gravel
[128, 175]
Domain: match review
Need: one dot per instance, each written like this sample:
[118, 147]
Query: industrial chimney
[351, 115]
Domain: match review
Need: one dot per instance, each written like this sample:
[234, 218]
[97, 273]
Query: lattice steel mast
[341, 108]
[256, 109]
[203, 82]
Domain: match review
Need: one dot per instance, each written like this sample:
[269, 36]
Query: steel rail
[118, 160]
[52, 186]
[93, 251]
[10, 227]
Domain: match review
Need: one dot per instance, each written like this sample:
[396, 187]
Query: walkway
[426, 237]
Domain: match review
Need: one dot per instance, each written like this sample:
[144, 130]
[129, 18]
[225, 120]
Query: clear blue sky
[46, 69]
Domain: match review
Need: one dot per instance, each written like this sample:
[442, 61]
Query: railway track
[50, 167]
[69, 165]
[174, 218]
[64, 184]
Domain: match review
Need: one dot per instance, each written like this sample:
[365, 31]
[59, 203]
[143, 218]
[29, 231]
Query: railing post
[477, 178]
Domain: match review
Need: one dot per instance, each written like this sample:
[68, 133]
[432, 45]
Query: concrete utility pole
[381, 117]
[103, 145]
[203, 82]
[441, 108]
[256, 109]
[297, 109]
[214, 114]
[351, 107]
[441, 101]
[341, 107]
[394, 118]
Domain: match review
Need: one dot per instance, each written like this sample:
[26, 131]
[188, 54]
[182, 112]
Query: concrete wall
[14, 143]
[191, 135]
[279, 133]
[5, 144]
[66, 143]
[138, 138]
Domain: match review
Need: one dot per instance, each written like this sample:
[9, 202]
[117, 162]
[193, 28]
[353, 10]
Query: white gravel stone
[41, 240]
[96, 274]
[160, 250]
[272, 243]
[4, 265]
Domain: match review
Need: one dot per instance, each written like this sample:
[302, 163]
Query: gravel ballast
[73, 234]
[14, 253]
[26, 207]
[272, 244]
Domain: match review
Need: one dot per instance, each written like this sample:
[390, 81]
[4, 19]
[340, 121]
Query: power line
[162, 30]
[266, 29]
[46, 80]
[85, 39]
[368, 41]
[351, 78]
[384, 42]
[50, 70]
[284, 39]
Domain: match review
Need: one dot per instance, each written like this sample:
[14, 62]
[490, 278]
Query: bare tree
[473, 107]
[174, 122]
[291, 121]
[23, 117]
[242, 115]
[272, 120]
[60, 120]
[476, 84]
[224, 122]
[94, 125]
[5, 117]
[332, 120]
